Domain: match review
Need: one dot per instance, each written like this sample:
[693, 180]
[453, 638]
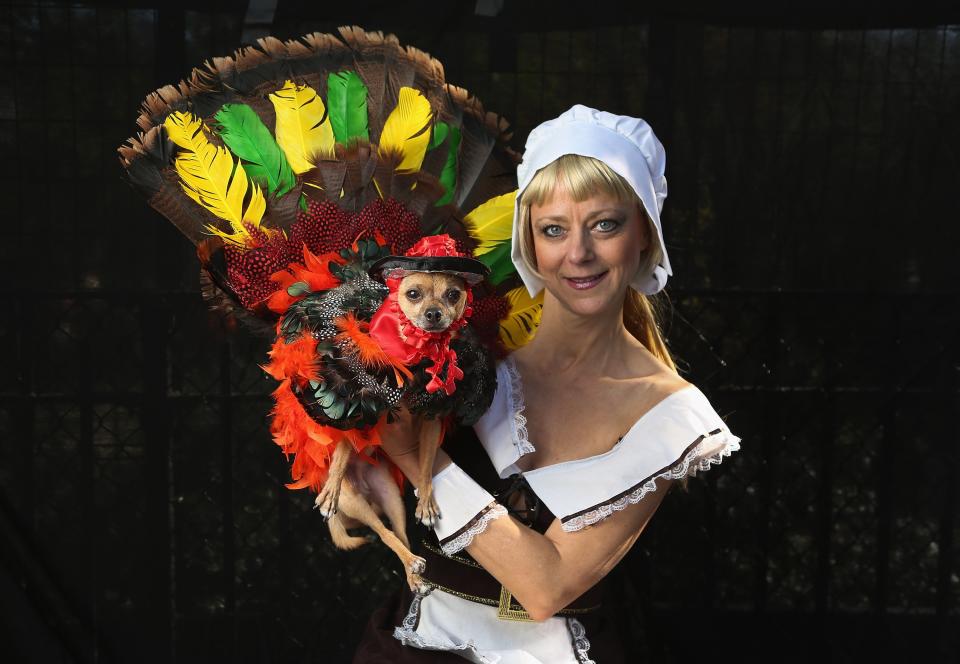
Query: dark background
[813, 225]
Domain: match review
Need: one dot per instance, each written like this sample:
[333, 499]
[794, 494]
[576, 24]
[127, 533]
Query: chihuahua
[358, 492]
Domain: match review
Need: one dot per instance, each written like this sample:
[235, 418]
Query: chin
[588, 304]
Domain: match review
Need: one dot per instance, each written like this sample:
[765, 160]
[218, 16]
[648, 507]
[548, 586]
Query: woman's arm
[547, 572]
[543, 572]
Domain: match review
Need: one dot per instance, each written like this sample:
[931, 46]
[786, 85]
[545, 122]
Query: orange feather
[366, 349]
[310, 443]
[296, 360]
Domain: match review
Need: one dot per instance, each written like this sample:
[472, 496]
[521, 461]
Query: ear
[646, 228]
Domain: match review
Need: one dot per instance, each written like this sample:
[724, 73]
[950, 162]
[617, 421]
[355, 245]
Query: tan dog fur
[359, 493]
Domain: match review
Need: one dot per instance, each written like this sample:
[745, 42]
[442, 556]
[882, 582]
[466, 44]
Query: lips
[585, 283]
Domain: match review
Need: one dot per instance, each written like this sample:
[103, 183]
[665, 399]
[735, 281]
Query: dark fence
[812, 225]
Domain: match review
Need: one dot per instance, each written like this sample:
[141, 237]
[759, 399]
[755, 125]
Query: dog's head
[432, 300]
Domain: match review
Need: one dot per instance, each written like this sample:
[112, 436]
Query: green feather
[347, 106]
[448, 176]
[248, 138]
[499, 262]
[440, 131]
[444, 133]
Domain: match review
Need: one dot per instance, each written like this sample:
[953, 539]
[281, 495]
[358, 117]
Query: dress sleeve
[679, 437]
[465, 508]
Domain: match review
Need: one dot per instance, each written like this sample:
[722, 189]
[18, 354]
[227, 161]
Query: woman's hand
[401, 442]
[400, 439]
[399, 436]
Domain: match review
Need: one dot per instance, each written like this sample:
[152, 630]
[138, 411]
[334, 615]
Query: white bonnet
[627, 145]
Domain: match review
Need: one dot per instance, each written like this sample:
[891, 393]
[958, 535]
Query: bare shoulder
[651, 378]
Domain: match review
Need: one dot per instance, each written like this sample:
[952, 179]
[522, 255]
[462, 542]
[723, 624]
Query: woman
[590, 427]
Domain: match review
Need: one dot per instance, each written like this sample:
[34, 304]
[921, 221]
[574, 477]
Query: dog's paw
[427, 513]
[414, 580]
[417, 565]
[328, 499]
[417, 585]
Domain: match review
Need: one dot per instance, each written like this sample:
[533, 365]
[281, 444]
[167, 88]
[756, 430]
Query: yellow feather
[407, 130]
[303, 127]
[491, 223]
[212, 178]
[521, 324]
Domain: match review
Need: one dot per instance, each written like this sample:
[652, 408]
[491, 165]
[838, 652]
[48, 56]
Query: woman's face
[589, 251]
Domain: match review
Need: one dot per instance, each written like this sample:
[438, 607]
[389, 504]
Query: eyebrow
[595, 213]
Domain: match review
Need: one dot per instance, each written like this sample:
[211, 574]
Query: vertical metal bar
[888, 437]
[284, 540]
[948, 444]
[87, 485]
[170, 28]
[709, 592]
[26, 412]
[661, 74]
[154, 326]
[226, 470]
[824, 507]
[168, 66]
[828, 430]
[885, 483]
[771, 434]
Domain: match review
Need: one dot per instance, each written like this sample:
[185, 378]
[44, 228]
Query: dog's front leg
[427, 510]
[329, 497]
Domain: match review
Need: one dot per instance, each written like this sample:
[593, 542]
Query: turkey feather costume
[313, 175]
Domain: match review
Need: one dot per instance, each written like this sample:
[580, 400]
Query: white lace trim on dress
[518, 425]
[581, 645]
[688, 465]
[406, 634]
[474, 528]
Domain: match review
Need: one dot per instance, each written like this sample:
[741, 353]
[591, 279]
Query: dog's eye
[453, 295]
[413, 294]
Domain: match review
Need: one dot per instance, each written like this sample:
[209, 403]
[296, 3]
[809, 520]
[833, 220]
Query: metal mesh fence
[813, 176]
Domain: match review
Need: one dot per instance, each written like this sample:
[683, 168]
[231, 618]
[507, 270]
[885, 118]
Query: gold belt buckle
[504, 612]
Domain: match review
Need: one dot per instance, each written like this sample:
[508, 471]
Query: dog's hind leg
[329, 497]
[356, 506]
[428, 512]
[341, 538]
[387, 495]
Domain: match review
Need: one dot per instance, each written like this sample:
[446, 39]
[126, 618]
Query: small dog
[433, 302]
[358, 492]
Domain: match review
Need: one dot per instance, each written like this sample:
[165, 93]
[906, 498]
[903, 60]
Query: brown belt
[464, 578]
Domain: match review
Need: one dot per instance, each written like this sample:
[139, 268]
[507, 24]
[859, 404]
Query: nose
[432, 315]
[581, 247]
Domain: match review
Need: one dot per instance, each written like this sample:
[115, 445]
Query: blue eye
[607, 225]
[552, 230]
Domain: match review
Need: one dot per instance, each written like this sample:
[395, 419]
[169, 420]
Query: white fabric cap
[627, 145]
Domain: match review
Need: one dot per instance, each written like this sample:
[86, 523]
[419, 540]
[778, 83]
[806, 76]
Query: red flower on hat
[435, 245]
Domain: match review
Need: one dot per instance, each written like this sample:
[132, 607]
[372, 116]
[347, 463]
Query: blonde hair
[583, 177]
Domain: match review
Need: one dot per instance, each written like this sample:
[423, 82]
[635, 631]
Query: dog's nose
[433, 315]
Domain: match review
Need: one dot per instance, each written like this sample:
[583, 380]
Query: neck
[569, 341]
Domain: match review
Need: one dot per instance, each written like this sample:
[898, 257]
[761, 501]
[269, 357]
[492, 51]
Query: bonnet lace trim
[690, 463]
[464, 537]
